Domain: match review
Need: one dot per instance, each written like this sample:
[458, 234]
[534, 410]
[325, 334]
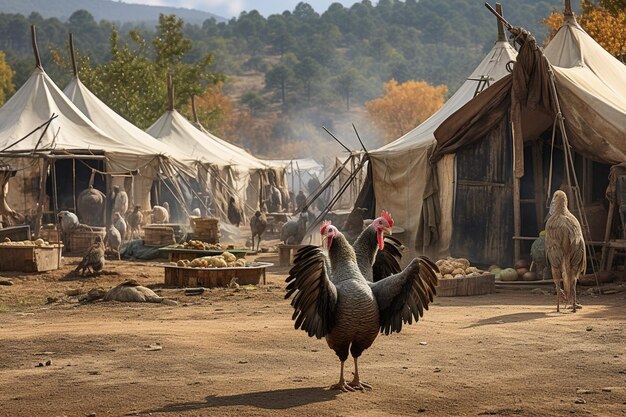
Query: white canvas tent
[221, 170]
[401, 172]
[521, 114]
[167, 161]
[70, 135]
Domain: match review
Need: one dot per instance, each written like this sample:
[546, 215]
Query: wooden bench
[286, 253]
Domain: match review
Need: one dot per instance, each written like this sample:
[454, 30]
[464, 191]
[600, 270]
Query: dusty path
[235, 353]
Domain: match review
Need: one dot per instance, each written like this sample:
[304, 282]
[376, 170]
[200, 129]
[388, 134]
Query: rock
[579, 401]
[154, 348]
[48, 362]
[606, 389]
[39, 365]
[6, 282]
[73, 292]
[423, 343]
[421, 410]
[589, 328]
[51, 300]
[581, 391]
[242, 362]
[437, 370]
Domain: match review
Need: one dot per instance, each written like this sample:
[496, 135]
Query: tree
[604, 21]
[6, 79]
[133, 82]
[347, 83]
[404, 106]
[307, 71]
[278, 78]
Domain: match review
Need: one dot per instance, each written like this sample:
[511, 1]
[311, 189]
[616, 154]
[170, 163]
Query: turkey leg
[342, 385]
[356, 382]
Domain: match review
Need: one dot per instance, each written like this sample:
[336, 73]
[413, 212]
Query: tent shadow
[508, 318]
[281, 399]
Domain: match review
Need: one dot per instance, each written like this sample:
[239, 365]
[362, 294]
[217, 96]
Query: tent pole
[538, 179]
[33, 32]
[42, 196]
[517, 221]
[73, 56]
[74, 183]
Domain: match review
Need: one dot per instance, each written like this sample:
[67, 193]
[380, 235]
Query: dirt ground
[235, 353]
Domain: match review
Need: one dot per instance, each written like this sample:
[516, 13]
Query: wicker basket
[81, 238]
[206, 229]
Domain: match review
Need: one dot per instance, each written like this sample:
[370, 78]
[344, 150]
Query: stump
[468, 285]
[286, 253]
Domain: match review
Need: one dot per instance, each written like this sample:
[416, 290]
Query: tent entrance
[482, 221]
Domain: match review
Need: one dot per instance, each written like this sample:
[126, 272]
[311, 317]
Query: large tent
[35, 143]
[403, 181]
[168, 162]
[222, 170]
[512, 146]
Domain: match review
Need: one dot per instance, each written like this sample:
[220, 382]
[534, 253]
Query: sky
[232, 8]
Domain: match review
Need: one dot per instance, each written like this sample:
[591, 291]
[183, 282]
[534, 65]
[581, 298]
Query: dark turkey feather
[404, 296]
[388, 260]
[315, 296]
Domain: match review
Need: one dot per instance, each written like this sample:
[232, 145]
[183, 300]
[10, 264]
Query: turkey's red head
[382, 224]
[328, 232]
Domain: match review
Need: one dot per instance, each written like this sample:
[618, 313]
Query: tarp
[401, 169]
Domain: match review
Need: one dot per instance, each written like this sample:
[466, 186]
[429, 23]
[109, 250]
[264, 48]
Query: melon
[508, 274]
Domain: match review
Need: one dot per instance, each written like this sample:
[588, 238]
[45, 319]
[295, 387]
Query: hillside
[113, 11]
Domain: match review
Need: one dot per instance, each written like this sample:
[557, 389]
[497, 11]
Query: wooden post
[517, 230]
[33, 33]
[73, 55]
[568, 9]
[607, 236]
[193, 108]
[43, 178]
[501, 34]
[538, 180]
[170, 93]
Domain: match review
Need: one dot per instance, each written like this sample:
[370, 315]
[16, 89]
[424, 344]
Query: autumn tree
[6, 79]
[605, 21]
[404, 106]
[215, 110]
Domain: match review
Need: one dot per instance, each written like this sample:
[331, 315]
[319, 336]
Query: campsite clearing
[234, 353]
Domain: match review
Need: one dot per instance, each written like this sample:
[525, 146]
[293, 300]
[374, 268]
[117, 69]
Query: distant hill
[113, 11]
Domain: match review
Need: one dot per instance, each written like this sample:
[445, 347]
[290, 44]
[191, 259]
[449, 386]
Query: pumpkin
[492, 267]
[529, 276]
[521, 272]
[508, 274]
[522, 263]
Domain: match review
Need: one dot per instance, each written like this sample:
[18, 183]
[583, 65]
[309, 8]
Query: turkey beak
[387, 230]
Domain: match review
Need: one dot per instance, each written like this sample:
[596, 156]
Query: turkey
[258, 223]
[134, 222]
[119, 201]
[160, 215]
[292, 232]
[120, 224]
[300, 200]
[114, 240]
[91, 206]
[332, 299]
[378, 256]
[69, 221]
[234, 212]
[93, 261]
[565, 250]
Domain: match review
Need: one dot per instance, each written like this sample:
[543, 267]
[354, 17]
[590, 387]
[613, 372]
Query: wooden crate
[177, 276]
[476, 285]
[158, 235]
[206, 229]
[81, 238]
[30, 258]
[175, 254]
[16, 233]
[48, 232]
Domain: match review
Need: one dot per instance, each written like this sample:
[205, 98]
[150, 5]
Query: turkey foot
[343, 386]
[359, 385]
[577, 307]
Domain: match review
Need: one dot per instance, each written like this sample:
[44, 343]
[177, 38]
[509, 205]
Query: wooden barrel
[468, 285]
[81, 238]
